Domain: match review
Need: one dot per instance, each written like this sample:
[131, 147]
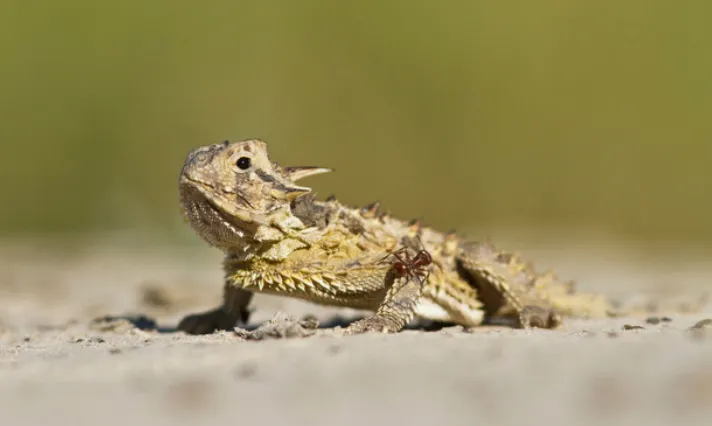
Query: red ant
[414, 267]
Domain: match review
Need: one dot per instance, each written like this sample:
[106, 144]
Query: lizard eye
[243, 163]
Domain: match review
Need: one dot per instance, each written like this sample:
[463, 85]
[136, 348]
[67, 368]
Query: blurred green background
[535, 115]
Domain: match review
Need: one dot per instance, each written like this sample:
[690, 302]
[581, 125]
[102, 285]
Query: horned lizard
[279, 239]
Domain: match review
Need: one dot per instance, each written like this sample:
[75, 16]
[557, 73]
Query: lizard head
[231, 192]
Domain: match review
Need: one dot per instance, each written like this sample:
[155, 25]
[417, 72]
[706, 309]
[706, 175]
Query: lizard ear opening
[296, 173]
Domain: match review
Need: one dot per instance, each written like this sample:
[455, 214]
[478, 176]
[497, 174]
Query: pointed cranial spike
[479, 249]
[517, 263]
[506, 258]
[528, 267]
[487, 244]
[296, 173]
[540, 282]
[289, 193]
[414, 226]
[382, 216]
[370, 210]
[331, 198]
[450, 243]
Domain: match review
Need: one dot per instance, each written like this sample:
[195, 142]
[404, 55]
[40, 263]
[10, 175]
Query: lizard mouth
[204, 211]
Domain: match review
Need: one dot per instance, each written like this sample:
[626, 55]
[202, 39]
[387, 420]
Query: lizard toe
[373, 324]
[206, 322]
[537, 316]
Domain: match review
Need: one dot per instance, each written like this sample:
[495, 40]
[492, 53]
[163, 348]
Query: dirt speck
[156, 296]
[701, 330]
[247, 370]
[188, 395]
[334, 349]
[606, 394]
[705, 323]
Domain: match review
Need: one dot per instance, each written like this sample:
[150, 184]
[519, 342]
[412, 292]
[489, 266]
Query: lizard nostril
[201, 157]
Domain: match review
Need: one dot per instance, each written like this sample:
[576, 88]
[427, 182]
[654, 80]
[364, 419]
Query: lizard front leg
[233, 310]
[396, 309]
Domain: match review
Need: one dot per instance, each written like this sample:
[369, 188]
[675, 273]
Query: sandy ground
[58, 365]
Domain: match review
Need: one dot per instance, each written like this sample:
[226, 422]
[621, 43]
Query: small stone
[450, 331]
[629, 327]
[333, 349]
[653, 320]
[309, 323]
[702, 324]
[701, 329]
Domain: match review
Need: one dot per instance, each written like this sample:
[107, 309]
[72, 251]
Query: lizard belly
[429, 309]
[459, 313]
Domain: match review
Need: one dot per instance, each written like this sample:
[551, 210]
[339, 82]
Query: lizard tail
[666, 306]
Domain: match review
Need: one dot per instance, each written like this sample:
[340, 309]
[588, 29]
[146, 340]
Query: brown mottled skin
[278, 239]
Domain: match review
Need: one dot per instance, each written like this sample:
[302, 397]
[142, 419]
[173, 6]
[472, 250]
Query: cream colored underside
[460, 313]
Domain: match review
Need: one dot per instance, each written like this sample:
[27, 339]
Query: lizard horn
[289, 192]
[296, 173]
[370, 210]
[414, 225]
